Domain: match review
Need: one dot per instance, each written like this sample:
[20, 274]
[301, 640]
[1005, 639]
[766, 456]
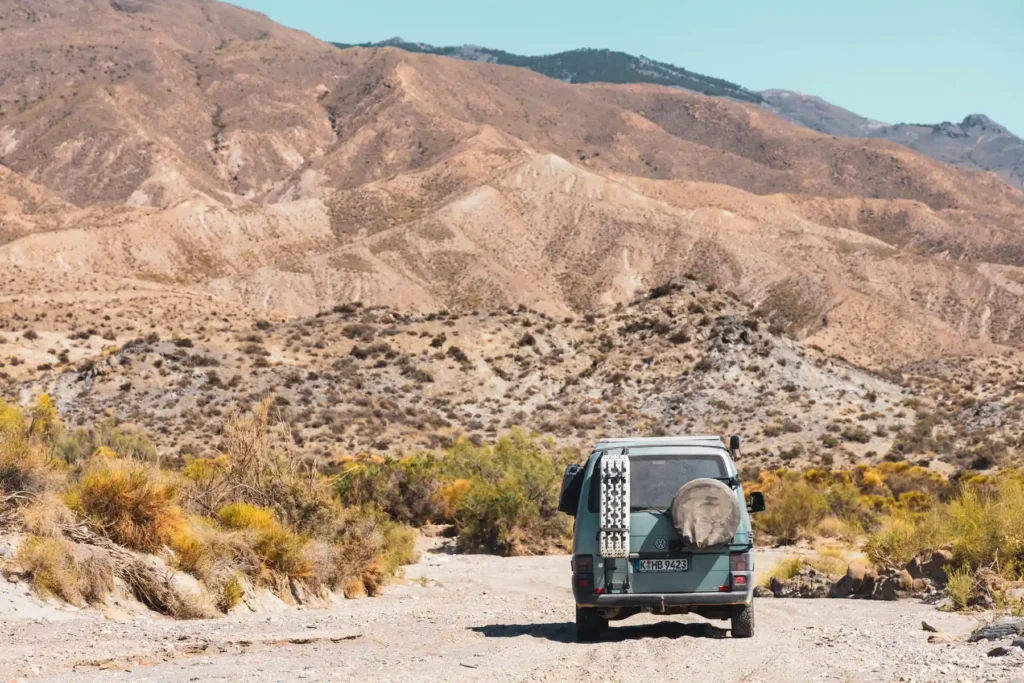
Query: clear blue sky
[892, 60]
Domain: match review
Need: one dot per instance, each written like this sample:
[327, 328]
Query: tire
[589, 624]
[706, 513]
[743, 622]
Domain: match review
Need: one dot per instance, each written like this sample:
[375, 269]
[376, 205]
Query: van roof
[637, 442]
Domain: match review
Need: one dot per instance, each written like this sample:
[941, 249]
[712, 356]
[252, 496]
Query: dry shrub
[97, 572]
[45, 425]
[231, 594]
[281, 552]
[287, 517]
[46, 515]
[107, 439]
[399, 547]
[153, 584]
[846, 530]
[130, 503]
[50, 566]
[452, 495]
[12, 420]
[279, 548]
[353, 587]
[55, 567]
[902, 537]
[830, 560]
[213, 555]
[369, 550]
[511, 508]
[26, 469]
[243, 516]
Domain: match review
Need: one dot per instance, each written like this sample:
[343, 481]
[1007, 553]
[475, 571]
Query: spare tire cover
[706, 513]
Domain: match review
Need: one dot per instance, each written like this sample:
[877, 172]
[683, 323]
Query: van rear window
[654, 479]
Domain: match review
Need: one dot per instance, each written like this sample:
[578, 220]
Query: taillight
[740, 581]
[740, 562]
[583, 564]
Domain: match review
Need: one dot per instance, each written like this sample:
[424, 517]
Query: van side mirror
[755, 502]
[734, 446]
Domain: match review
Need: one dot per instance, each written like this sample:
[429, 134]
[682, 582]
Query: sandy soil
[469, 617]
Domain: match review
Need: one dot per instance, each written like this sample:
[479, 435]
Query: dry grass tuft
[51, 568]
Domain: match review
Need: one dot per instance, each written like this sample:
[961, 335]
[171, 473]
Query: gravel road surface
[473, 617]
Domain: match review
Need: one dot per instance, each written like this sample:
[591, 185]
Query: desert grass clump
[783, 571]
[231, 594]
[24, 462]
[132, 504]
[50, 567]
[960, 587]
[46, 515]
[54, 568]
[280, 549]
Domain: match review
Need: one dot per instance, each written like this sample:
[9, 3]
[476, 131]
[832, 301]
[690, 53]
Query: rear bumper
[665, 599]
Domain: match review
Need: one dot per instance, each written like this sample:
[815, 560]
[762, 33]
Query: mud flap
[613, 539]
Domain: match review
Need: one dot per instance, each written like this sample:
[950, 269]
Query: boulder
[942, 638]
[807, 583]
[859, 582]
[887, 588]
[1003, 628]
[897, 584]
[931, 565]
[762, 592]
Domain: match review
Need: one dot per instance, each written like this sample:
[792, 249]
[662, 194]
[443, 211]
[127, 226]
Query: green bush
[501, 498]
[408, 490]
[794, 507]
[511, 507]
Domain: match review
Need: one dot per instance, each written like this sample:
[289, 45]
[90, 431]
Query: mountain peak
[981, 121]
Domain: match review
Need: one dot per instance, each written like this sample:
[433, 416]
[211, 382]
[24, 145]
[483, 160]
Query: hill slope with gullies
[198, 151]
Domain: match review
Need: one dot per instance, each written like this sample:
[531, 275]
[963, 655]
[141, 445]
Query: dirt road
[491, 619]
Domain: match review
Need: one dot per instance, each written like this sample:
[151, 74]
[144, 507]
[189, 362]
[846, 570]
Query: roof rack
[633, 442]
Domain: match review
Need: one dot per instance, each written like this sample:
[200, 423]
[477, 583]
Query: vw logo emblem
[660, 543]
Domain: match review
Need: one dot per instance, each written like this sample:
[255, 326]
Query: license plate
[679, 564]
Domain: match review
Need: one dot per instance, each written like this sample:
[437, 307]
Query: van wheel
[743, 622]
[589, 624]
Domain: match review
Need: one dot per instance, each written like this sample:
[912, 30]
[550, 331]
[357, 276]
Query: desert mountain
[585, 66]
[977, 143]
[205, 152]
